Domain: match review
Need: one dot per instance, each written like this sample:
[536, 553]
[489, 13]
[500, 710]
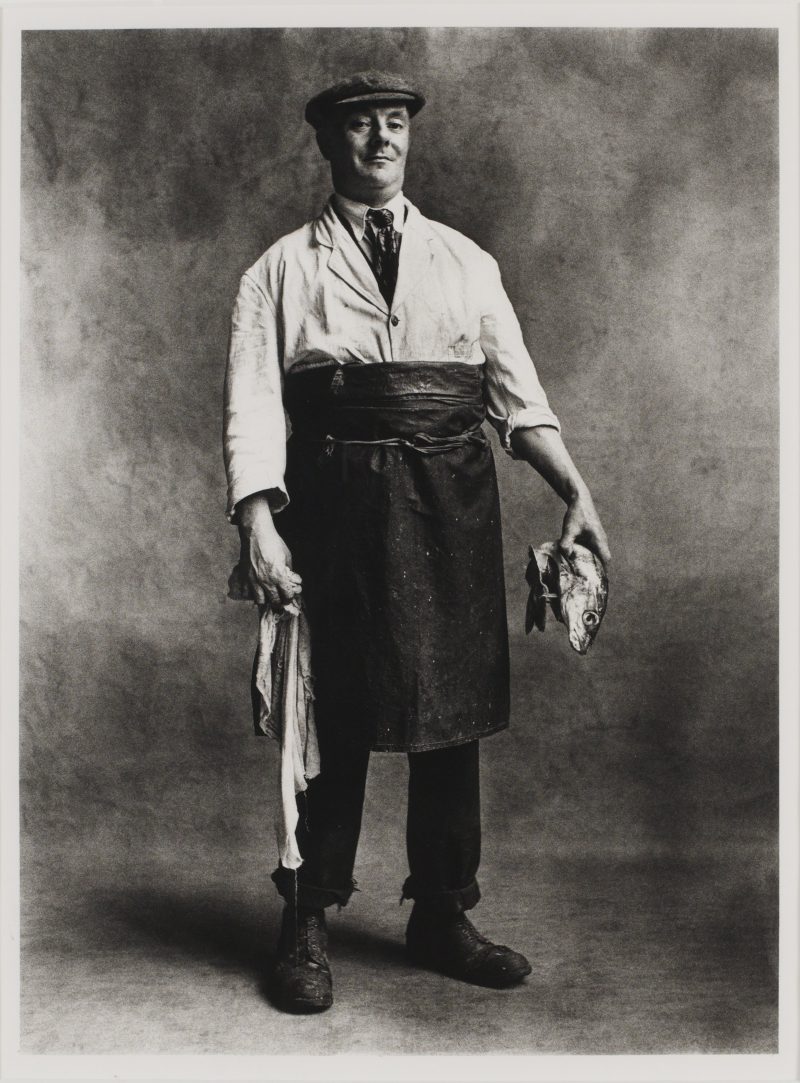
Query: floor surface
[629, 956]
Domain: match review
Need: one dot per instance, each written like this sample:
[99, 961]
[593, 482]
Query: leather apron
[394, 525]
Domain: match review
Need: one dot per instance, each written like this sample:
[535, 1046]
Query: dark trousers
[443, 829]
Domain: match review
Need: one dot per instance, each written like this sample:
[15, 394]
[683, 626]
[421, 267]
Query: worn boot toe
[453, 946]
[301, 978]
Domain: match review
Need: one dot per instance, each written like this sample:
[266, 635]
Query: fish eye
[590, 618]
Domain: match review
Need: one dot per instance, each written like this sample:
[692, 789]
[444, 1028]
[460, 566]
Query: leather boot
[453, 946]
[302, 976]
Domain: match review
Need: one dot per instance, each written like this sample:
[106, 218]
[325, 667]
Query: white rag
[286, 706]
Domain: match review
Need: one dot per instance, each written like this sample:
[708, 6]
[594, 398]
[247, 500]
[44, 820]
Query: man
[388, 339]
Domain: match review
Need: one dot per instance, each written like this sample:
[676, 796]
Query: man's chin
[379, 183]
[368, 186]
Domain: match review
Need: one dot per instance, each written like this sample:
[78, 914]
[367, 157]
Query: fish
[575, 588]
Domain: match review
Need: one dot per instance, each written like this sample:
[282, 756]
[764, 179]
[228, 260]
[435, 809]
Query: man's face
[367, 148]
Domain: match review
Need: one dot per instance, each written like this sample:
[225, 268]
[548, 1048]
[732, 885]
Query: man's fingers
[263, 593]
[597, 543]
[603, 551]
[259, 594]
[289, 588]
[274, 598]
[274, 590]
[286, 579]
[585, 533]
[566, 543]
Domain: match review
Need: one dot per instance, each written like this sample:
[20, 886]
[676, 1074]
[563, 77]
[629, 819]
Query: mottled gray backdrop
[626, 181]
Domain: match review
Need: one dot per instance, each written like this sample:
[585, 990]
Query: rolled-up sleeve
[254, 425]
[515, 398]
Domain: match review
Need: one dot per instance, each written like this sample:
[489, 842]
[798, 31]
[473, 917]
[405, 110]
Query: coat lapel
[416, 255]
[346, 260]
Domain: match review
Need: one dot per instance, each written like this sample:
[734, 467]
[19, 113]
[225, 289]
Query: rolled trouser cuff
[444, 903]
[298, 893]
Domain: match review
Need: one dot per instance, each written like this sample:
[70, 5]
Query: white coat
[312, 295]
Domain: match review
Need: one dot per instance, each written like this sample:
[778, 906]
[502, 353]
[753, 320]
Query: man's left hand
[582, 525]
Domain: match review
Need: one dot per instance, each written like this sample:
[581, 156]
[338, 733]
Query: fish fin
[535, 612]
[552, 579]
[536, 609]
[530, 613]
[533, 573]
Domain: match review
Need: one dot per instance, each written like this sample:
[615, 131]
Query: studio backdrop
[626, 182]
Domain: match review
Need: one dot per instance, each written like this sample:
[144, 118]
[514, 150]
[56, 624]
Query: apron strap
[421, 442]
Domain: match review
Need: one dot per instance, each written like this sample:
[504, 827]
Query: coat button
[395, 321]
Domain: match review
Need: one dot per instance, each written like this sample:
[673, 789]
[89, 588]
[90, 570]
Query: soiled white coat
[313, 295]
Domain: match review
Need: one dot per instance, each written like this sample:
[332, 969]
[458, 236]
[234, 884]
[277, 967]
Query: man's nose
[379, 134]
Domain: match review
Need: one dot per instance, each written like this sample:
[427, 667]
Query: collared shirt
[312, 296]
[356, 215]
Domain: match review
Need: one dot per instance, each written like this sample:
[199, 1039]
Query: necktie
[385, 251]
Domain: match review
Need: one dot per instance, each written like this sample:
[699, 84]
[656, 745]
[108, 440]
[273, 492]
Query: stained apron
[394, 526]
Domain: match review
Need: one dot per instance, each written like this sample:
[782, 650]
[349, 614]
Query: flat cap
[364, 86]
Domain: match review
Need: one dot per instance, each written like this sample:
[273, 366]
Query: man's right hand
[265, 562]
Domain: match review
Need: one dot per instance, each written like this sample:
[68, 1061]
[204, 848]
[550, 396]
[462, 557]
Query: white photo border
[17, 18]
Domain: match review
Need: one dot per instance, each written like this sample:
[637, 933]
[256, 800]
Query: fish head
[584, 595]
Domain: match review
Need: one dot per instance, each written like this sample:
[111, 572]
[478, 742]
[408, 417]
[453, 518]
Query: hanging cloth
[283, 706]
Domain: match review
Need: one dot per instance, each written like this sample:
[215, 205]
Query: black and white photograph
[400, 461]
